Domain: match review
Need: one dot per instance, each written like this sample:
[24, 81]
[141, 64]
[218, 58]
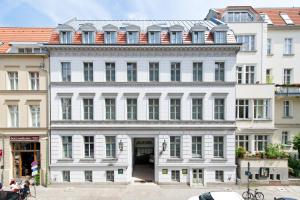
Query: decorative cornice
[32, 92]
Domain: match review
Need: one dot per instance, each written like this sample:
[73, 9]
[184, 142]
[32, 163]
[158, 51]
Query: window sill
[246, 119]
[218, 159]
[270, 54]
[87, 160]
[174, 159]
[288, 117]
[109, 159]
[196, 159]
[64, 160]
[250, 51]
[288, 54]
[262, 119]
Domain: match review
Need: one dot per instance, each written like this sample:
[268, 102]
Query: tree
[296, 144]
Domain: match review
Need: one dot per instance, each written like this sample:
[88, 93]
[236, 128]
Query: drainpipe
[2, 174]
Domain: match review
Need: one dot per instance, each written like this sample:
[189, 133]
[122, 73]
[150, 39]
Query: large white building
[143, 100]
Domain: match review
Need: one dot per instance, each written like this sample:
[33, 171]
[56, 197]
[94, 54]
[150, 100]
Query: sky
[49, 13]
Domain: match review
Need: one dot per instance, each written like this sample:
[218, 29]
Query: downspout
[2, 174]
[262, 53]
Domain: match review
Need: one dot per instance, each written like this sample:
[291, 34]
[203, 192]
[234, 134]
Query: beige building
[23, 102]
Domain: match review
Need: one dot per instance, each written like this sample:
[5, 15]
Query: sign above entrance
[24, 138]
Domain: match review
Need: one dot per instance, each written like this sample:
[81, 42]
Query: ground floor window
[261, 142]
[88, 175]
[242, 141]
[66, 176]
[110, 176]
[175, 175]
[220, 176]
[197, 176]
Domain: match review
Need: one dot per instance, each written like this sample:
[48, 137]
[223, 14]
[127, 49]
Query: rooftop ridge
[141, 20]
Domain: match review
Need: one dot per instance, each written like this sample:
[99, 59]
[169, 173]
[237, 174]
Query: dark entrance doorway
[143, 160]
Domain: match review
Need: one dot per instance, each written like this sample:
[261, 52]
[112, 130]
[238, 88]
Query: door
[197, 176]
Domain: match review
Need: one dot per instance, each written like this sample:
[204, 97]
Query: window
[110, 142]
[133, 37]
[89, 146]
[131, 72]
[66, 176]
[67, 146]
[198, 37]
[266, 18]
[110, 37]
[261, 142]
[154, 37]
[88, 37]
[269, 46]
[242, 141]
[219, 71]
[175, 71]
[88, 176]
[218, 146]
[66, 71]
[131, 109]
[175, 109]
[220, 37]
[287, 75]
[261, 108]
[287, 108]
[269, 78]
[88, 109]
[14, 115]
[110, 72]
[110, 109]
[34, 80]
[66, 107]
[248, 42]
[196, 146]
[285, 138]
[65, 37]
[176, 37]
[250, 74]
[110, 176]
[88, 71]
[13, 80]
[220, 176]
[154, 109]
[288, 46]
[175, 146]
[197, 71]
[219, 109]
[35, 115]
[175, 175]
[238, 17]
[242, 109]
[239, 71]
[197, 109]
[154, 71]
[286, 19]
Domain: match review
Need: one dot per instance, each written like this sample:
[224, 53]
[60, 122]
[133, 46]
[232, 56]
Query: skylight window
[266, 18]
[286, 18]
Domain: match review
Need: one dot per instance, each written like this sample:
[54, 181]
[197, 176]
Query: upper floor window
[287, 108]
[88, 37]
[35, 115]
[88, 71]
[197, 71]
[66, 108]
[132, 109]
[250, 74]
[219, 71]
[34, 80]
[154, 37]
[154, 71]
[218, 146]
[110, 109]
[66, 71]
[288, 46]
[261, 142]
[238, 17]
[198, 37]
[219, 109]
[269, 46]
[286, 19]
[248, 42]
[175, 106]
[176, 37]
[110, 144]
[242, 109]
[197, 109]
[261, 108]
[287, 76]
[110, 70]
[89, 146]
[88, 109]
[110, 37]
[14, 115]
[196, 146]
[13, 80]
[67, 146]
[239, 73]
[242, 141]
[131, 72]
[285, 138]
[132, 37]
[175, 71]
[66, 37]
[154, 109]
[220, 37]
[175, 146]
[269, 78]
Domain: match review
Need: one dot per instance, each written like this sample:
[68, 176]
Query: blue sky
[44, 13]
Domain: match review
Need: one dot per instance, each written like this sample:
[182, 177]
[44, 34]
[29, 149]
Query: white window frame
[176, 37]
[13, 112]
[264, 140]
[66, 71]
[34, 80]
[287, 109]
[244, 105]
[173, 150]
[89, 146]
[154, 37]
[287, 76]
[110, 37]
[250, 71]
[154, 71]
[175, 74]
[220, 37]
[219, 176]
[110, 146]
[197, 147]
[35, 116]
[217, 108]
[65, 37]
[263, 104]
[88, 37]
[285, 139]
[132, 72]
[88, 176]
[110, 108]
[177, 108]
[197, 71]
[248, 42]
[69, 147]
[269, 46]
[110, 71]
[132, 108]
[219, 152]
[13, 78]
[154, 115]
[133, 37]
[244, 140]
[90, 108]
[288, 46]
[196, 106]
[66, 109]
[198, 37]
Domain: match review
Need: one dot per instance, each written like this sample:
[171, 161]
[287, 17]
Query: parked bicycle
[253, 195]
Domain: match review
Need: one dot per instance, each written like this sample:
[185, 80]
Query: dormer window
[240, 16]
[176, 37]
[110, 37]
[220, 37]
[198, 37]
[88, 37]
[154, 37]
[65, 37]
[132, 37]
[286, 19]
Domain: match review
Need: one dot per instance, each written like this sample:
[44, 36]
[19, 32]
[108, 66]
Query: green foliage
[273, 151]
[240, 152]
[296, 143]
[37, 179]
[294, 165]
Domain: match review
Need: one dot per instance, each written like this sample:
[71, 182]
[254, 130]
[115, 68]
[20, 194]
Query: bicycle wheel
[259, 196]
[247, 195]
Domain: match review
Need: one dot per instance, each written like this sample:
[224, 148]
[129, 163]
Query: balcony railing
[287, 90]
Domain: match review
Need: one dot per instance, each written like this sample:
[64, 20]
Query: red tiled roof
[12, 34]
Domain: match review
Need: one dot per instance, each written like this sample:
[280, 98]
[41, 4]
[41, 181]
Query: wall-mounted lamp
[121, 145]
[164, 145]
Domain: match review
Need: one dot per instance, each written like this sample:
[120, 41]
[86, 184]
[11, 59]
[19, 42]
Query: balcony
[287, 90]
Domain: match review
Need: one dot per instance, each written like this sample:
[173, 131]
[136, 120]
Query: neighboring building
[254, 96]
[23, 101]
[127, 95]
